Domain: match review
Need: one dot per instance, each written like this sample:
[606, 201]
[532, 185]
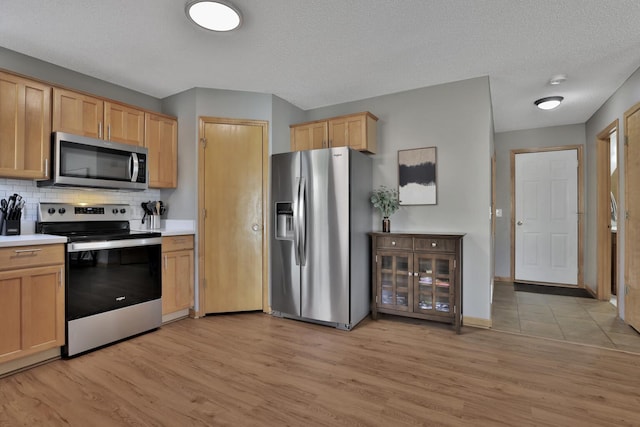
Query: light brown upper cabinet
[25, 127]
[357, 131]
[81, 114]
[309, 136]
[161, 139]
[124, 124]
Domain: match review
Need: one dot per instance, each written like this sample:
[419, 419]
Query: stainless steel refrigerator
[320, 255]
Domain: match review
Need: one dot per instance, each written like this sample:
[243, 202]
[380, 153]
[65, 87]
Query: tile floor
[581, 320]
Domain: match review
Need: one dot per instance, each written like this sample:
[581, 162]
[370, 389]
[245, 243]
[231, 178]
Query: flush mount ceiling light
[214, 15]
[548, 103]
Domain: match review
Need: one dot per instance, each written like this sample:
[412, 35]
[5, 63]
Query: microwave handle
[133, 167]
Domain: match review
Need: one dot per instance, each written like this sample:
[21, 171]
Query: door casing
[603, 217]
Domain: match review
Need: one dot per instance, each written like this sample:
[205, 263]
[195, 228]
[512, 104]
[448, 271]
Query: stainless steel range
[113, 274]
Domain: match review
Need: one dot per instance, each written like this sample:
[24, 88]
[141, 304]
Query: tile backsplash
[34, 195]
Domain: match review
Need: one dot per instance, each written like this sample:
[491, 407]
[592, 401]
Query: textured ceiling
[315, 53]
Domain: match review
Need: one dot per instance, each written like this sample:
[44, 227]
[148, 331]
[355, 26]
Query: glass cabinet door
[433, 287]
[394, 281]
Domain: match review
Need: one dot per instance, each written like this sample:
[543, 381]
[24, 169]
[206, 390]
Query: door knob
[255, 227]
[519, 222]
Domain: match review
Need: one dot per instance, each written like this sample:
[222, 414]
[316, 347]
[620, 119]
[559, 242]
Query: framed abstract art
[417, 183]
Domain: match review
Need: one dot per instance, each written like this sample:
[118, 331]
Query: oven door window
[104, 280]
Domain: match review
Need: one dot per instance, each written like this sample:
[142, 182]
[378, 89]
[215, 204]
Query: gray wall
[35, 68]
[622, 100]
[555, 136]
[455, 118]
[183, 201]
[283, 114]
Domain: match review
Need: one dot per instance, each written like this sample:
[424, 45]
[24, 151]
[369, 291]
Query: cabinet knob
[393, 243]
[434, 244]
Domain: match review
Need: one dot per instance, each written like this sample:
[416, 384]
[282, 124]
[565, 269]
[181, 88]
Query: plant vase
[386, 225]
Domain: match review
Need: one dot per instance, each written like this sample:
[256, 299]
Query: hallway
[580, 320]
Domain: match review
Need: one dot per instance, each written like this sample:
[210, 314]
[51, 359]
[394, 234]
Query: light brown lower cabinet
[31, 300]
[418, 275]
[177, 273]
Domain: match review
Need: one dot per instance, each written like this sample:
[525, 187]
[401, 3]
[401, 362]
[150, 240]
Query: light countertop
[30, 239]
[168, 227]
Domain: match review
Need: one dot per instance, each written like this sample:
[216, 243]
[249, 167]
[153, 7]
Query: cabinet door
[309, 136]
[77, 113]
[394, 280]
[123, 124]
[161, 139]
[339, 132]
[31, 311]
[10, 316]
[25, 127]
[358, 131]
[177, 281]
[434, 284]
[43, 309]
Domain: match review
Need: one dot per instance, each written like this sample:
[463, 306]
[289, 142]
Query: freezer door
[325, 273]
[285, 274]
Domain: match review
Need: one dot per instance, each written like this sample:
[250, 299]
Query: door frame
[603, 211]
[202, 120]
[579, 151]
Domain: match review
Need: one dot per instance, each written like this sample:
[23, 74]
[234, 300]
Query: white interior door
[546, 236]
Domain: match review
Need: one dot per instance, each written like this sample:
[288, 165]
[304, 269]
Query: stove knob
[123, 210]
[114, 211]
[61, 211]
[51, 211]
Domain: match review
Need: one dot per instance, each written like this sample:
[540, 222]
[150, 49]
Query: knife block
[11, 227]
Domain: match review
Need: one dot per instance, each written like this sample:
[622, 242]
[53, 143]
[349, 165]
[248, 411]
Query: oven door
[109, 275]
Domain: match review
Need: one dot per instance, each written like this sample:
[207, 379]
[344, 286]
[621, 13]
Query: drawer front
[31, 256]
[177, 243]
[436, 245]
[392, 242]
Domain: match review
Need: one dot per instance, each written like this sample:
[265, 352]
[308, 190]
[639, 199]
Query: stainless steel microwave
[79, 161]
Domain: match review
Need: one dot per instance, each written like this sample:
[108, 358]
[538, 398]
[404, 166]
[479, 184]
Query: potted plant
[386, 200]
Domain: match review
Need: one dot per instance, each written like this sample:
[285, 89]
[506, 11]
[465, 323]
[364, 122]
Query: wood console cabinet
[177, 273]
[31, 300]
[418, 275]
[357, 131]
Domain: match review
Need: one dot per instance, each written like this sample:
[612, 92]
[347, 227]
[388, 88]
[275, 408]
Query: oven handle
[112, 244]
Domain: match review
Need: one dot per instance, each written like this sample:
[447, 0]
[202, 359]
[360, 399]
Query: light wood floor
[257, 370]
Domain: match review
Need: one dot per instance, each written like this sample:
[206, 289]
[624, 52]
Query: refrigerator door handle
[302, 222]
[296, 223]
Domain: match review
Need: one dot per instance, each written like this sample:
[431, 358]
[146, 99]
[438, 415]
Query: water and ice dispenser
[284, 221]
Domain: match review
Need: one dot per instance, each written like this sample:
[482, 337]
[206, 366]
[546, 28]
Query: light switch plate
[499, 213]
